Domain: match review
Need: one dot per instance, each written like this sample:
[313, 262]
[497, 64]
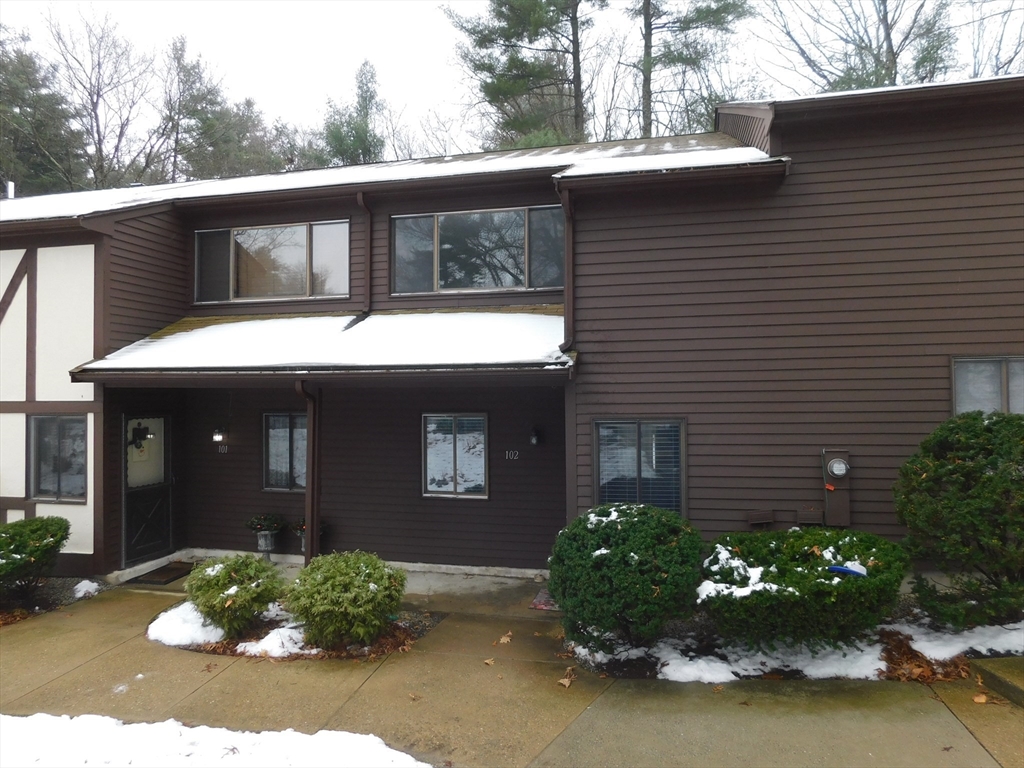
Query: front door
[147, 489]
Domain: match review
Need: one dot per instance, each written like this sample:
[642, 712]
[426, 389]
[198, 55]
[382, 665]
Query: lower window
[58, 457]
[455, 454]
[284, 451]
[640, 462]
[988, 384]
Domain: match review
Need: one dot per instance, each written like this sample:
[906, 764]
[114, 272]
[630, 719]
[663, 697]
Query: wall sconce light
[536, 436]
[139, 435]
[218, 435]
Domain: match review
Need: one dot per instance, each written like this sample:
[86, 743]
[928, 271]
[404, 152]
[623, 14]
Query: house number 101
[512, 455]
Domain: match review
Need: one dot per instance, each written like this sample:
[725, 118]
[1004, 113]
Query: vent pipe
[10, 190]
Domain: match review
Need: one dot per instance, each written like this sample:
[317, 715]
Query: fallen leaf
[568, 677]
[718, 689]
[977, 678]
[506, 638]
[415, 696]
[209, 667]
[603, 676]
[537, 634]
[489, 662]
[981, 698]
[501, 677]
[745, 704]
[229, 602]
[771, 676]
[816, 550]
[947, 749]
[405, 648]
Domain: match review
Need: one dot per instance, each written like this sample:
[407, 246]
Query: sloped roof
[704, 150]
[419, 341]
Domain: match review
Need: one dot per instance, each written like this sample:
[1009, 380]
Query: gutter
[568, 290]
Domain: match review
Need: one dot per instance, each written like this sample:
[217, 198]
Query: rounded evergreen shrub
[28, 552]
[624, 570]
[765, 586]
[231, 592]
[961, 497]
[345, 596]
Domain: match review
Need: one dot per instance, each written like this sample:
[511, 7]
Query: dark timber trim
[312, 516]
[12, 287]
[32, 262]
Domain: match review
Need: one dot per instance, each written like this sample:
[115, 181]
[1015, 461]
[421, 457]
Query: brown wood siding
[148, 277]
[822, 313]
[371, 497]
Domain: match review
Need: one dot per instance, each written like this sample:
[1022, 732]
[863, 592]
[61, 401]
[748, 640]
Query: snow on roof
[440, 340]
[698, 150]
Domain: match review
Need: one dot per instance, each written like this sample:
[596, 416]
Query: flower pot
[265, 542]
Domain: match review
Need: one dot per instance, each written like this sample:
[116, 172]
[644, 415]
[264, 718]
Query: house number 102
[512, 455]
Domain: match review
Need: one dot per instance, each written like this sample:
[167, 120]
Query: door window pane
[470, 454]
[278, 470]
[979, 385]
[413, 243]
[298, 451]
[145, 461]
[481, 250]
[547, 248]
[455, 454]
[330, 259]
[270, 262]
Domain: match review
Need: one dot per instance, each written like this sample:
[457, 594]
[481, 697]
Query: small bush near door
[961, 497]
[28, 552]
[621, 571]
[769, 586]
[345, 596]
[232, 592]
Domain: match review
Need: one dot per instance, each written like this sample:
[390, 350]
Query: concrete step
[1004, 676]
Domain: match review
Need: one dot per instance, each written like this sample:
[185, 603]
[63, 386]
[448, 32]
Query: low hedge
[231, 592]
[772, 586]
[624, 570]
[28, 552]
[345, 596]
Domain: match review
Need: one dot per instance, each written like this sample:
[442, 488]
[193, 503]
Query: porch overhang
[277, 350]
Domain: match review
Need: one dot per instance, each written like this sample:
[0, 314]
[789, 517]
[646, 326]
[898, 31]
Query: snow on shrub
[345, 596]
[776, 585]
[624, 569]
[231, 592]
[28, 552]
[961, 497]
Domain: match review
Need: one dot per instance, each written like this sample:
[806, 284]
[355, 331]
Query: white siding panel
[12, 454]
[13, 347]
[14, 515]
[64, 320]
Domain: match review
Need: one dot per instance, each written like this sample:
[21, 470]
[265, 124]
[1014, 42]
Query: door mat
[544, 602]
[165, 574]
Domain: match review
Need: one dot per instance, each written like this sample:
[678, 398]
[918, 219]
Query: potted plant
[266, 527]
[299, 527]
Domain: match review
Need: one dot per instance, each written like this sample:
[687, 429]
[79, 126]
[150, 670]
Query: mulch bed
[406, 629]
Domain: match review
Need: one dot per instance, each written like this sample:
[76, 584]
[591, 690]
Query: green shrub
[961, 497]
[232, 592]
[28, 552]
[345, 596]
[624, 569]
[775, 585]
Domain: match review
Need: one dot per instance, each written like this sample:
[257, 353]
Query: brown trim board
[31, 273]
[51, 407]
[12, 287]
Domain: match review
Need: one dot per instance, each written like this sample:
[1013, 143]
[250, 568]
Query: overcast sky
[292, 56]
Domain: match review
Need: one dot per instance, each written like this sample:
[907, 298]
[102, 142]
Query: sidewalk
[443, 704]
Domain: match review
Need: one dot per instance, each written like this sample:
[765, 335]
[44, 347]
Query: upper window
[293, 261]
[640, 462]
[455, 454]
[481, 250]
[284, 451]
[58, 457]
[989, 384]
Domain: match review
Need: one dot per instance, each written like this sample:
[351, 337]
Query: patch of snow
[86, 589]
[213, 570]
[1005, 639]
[183, 625]
[280, 642]
[89, 740]
[122, 688]
[140, 676]
[233, 589]
[275, 612]
[601, 551]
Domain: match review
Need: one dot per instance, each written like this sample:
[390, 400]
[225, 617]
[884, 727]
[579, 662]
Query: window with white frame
[58, 455]
[516, 248]
[284, 451]
[639, 461]
[455, 454]
[988, 384]
[291, 261]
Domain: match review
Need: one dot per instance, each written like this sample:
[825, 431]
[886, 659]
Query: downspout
[569, 290]
[367, 260]
[312, 516]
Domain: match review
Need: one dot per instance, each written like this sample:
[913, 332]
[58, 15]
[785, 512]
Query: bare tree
[997, 36]
[109, 84]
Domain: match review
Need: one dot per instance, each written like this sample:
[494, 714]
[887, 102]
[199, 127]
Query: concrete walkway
[442, 703]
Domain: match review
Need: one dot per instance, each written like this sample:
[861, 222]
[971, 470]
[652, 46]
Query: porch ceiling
[314, 346]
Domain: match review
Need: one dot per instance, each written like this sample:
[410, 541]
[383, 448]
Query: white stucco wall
[79, 515]
[64, 320]
[13, 330]
[12, 454]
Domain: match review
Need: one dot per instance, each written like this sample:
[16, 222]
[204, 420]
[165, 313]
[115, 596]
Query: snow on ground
[183, 625]
[47, 740]
[86, 589]
[678, 661]
[279, 643]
